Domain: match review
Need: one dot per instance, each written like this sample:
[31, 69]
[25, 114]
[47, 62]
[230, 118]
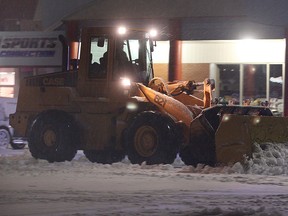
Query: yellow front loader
[110, 109]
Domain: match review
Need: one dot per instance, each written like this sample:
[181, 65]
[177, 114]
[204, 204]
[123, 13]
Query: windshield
[137, 53]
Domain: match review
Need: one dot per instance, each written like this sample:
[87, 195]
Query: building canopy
[200, 19]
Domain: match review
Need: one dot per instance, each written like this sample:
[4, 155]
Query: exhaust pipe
[65, 52]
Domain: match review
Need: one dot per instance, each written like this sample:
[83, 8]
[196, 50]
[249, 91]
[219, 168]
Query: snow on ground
[81, 188]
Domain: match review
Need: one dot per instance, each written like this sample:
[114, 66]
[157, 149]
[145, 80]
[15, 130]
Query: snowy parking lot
[80, 188]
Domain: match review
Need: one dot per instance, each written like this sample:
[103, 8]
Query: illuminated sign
[30, 49]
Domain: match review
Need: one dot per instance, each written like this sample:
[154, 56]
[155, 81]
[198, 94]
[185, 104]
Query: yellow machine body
[149, 119]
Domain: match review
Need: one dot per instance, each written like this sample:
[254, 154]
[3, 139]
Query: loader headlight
[122, 30]
[125, 82]
[153, 33]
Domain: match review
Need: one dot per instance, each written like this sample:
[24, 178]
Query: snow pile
[37, 187]
[272, 159]
[267, 162]
[269, 159]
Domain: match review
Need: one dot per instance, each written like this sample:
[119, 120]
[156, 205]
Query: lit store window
[7, 82]
[252, 84]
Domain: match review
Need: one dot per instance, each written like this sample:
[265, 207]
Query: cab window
[128, 59]
[98, 58]
[122, 59]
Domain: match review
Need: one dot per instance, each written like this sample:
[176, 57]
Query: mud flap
[236, 135]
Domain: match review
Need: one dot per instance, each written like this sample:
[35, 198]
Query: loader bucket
[226, 134]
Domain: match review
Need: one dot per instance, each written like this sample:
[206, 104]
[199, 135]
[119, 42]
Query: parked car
[7, 133]
[7, 137]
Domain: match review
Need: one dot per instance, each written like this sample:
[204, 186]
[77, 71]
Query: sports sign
[30, 49]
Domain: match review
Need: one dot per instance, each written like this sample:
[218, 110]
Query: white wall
[228, 51]
[161, 52]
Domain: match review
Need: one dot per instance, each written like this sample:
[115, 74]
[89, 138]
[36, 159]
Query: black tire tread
[168, 134]
[64, 126]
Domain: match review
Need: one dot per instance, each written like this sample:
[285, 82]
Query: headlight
[125, 82]
[153, 33]
[122, 30]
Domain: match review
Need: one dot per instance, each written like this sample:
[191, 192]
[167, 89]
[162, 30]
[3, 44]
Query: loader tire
[53, 137]
[104, 157]
[152, 138]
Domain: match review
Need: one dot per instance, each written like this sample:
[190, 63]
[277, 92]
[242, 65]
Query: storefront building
[200, 39]
[22, 54]
[208, 38]
[247, 71]
[27, 53]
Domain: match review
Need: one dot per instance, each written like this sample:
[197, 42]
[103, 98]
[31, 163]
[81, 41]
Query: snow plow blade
[236, 135]
[226, 134]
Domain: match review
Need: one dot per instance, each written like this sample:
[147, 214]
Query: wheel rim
[49, 138]
[146, 141]
[4, 138]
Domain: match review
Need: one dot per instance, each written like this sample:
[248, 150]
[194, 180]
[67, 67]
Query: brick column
[72, 32]
[175, 53]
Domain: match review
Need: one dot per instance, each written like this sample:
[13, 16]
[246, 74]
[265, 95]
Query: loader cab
[107, 57]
